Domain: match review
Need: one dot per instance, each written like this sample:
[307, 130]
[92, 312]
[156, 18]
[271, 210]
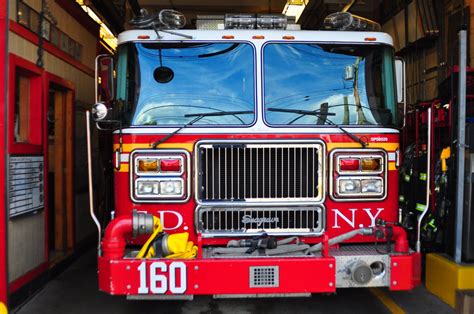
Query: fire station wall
[427, 57]
[67, 24]
[27, 234]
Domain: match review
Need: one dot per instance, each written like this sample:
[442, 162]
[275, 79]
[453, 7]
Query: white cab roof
[247, 35]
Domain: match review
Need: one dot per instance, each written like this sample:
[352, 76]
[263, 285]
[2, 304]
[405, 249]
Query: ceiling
[118, 12]
[190, 7]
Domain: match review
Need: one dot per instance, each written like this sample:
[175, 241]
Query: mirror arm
[97, 123]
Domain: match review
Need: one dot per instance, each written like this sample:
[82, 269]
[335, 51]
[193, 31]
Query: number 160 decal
[158, 278]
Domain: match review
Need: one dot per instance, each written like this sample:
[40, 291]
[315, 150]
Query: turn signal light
[371, 164]
[147, 165]
[170, 165]
[349, 164]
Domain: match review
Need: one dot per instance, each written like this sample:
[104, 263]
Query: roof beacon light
[271, 21]
[240, 21]
[172, 19]
[345, 21]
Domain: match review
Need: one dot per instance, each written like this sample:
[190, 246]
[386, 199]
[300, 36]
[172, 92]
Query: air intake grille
[233, 172]
[245, 220]
[264, 276]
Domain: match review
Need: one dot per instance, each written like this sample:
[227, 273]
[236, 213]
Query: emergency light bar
[345, 21]
[271, 21]
[252, 21]
[240, 21]
[172, 19]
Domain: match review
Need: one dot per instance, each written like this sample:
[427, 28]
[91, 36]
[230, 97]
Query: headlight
[159, 176]
[373, 186]
[147, 187]
[349, 186]
[359, 187]
[359, 174]
[171, 187]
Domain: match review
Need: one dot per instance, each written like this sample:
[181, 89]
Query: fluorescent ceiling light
[295, 8]
[105, 33]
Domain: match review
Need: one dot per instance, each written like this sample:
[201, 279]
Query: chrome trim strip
[163, 151]
[124, 157]
[258, 128]
[320, 208]
[362, 152]
[392, 156]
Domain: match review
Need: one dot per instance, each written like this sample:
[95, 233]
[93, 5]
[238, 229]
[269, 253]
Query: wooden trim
[55, 51]
[24, 100]
[76, 12]
[59, 187]
[53, 78]
[68, 179]
[35, 73]
[29, 276]
[69, 169]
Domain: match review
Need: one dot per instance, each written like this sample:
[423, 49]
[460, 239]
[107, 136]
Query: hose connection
[122, 227]
[392, 232]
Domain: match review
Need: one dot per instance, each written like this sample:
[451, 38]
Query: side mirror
[104, 78]
[99, 111]
[401, 85]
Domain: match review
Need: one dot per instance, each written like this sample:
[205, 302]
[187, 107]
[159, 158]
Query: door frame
[69, 88]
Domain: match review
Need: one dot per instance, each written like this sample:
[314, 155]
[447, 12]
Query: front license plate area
[162, 278]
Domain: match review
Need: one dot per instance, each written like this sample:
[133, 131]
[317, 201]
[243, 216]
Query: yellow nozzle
[177, 242]
[3, 308]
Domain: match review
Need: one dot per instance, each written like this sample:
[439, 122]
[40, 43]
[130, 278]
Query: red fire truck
[251, 160]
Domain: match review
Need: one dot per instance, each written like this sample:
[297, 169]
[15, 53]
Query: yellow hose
[178, 244]
[158, 228]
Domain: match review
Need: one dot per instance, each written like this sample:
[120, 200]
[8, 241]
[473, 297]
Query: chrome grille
[248, 220]
[246, 172]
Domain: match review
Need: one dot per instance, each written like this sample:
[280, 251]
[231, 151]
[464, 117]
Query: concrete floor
[75, 291]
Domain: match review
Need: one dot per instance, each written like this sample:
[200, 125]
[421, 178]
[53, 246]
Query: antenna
[349, 6]
[165, 21]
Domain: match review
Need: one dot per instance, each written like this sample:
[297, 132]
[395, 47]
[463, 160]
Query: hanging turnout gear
[406, 196]
[420, 180]
[431, 231]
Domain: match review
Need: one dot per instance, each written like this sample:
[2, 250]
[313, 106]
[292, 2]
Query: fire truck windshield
[166, 83]
[354, 84]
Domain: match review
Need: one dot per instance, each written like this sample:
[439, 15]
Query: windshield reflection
[178, 79]
[355, 83]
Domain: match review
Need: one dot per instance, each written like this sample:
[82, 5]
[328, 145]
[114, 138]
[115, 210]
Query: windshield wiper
[198, 116]
[322, 115]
